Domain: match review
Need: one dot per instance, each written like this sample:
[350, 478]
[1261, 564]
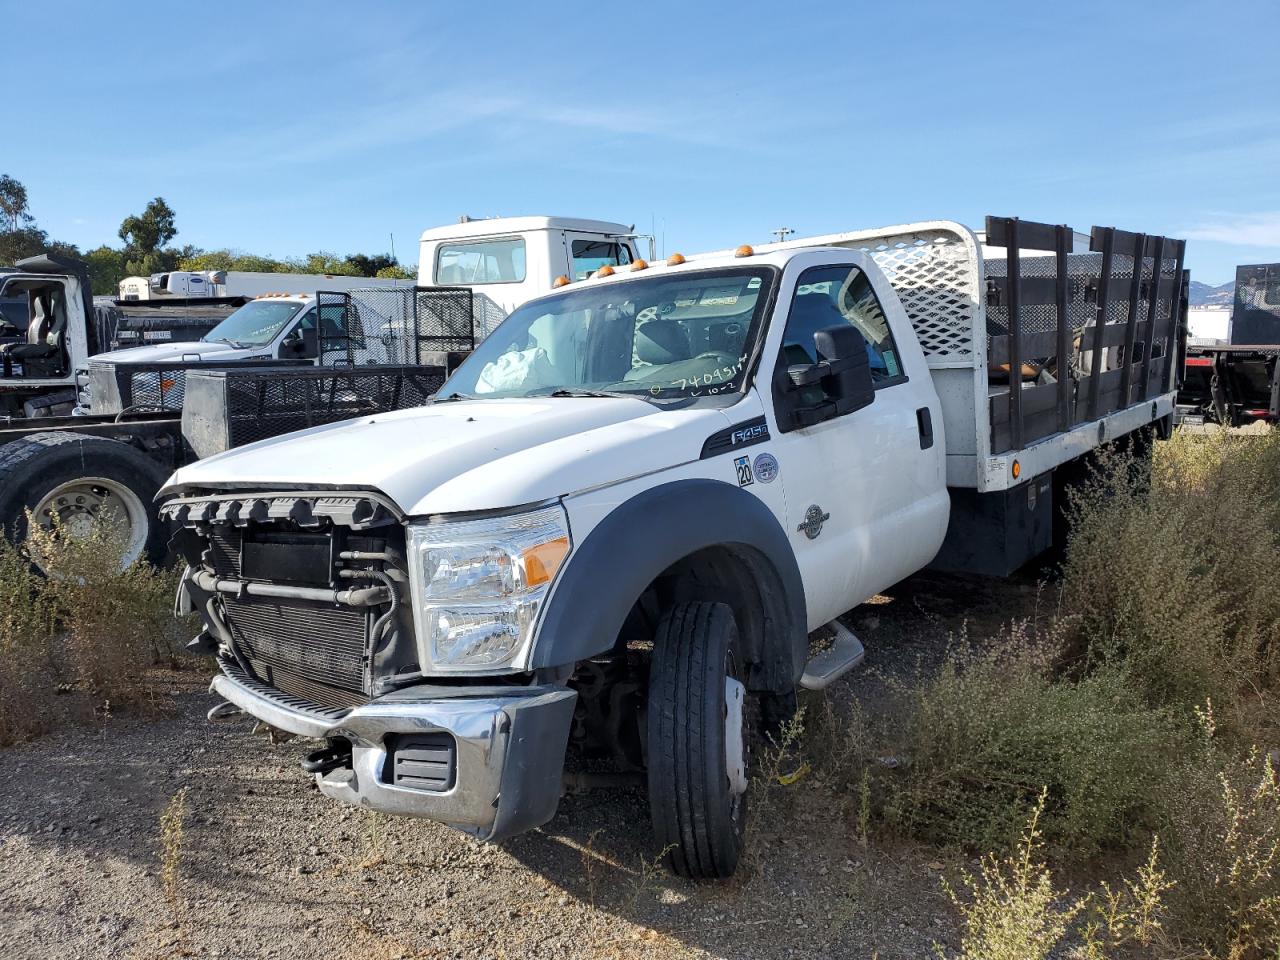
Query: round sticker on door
[766, 467]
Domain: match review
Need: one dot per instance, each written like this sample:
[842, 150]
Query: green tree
[145, 237]
[395, 272]
[149, 232]
[324, 262]
[30, 241]
[369, 266]
[13, 202]
[106, 270]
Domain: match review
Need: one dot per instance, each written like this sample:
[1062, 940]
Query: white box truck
[220, 284]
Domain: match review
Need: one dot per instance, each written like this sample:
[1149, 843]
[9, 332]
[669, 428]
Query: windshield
[255, 324]
[677, 335]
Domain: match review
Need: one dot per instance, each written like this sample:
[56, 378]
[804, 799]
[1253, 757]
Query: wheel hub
[74, 508]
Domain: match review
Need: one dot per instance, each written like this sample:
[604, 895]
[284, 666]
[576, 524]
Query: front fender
[647, 534]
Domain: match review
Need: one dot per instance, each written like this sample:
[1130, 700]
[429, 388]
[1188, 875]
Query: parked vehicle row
[280, 362]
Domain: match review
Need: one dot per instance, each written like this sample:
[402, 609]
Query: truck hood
[469, 455]
[166, 352]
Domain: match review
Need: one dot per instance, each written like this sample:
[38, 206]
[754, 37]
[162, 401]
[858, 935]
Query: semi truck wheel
[79, 478]
[697, 741]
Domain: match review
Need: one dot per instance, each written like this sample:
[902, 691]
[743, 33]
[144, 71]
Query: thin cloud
[1243, 230]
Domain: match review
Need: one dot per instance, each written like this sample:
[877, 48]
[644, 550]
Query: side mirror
[843, 372]
[300, 344]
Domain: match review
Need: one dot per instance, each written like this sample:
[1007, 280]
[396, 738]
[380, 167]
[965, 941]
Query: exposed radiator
[310, 650]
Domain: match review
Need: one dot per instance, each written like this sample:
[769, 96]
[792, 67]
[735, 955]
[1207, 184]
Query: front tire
[697, 741]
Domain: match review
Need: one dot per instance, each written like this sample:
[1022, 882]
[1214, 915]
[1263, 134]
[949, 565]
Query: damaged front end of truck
[309, 611]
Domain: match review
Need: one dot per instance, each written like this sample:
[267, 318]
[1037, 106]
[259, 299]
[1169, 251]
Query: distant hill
[1205, 295]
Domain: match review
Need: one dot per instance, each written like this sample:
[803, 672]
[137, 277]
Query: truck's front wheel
[697, 740]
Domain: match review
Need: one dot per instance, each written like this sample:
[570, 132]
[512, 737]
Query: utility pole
[782, 233]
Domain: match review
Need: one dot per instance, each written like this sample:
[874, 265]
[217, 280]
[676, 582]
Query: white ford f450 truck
[621, 518]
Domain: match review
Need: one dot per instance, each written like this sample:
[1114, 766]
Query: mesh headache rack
[231, 407]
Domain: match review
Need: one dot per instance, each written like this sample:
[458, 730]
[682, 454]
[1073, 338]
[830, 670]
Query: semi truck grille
[310, 650]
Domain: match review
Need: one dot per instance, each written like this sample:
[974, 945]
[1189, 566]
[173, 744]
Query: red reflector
[1260, 414]
[1199, 362]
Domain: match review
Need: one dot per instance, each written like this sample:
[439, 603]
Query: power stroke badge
[814, 518]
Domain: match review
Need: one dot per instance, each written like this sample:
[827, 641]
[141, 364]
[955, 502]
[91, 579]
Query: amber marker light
[675, 260]
[640, 265]
[605, 271]
[744, 251]
[1016, 469]
[543, 560]
[560, 281]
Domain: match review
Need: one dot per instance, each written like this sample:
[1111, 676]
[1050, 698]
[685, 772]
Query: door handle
[924, 423]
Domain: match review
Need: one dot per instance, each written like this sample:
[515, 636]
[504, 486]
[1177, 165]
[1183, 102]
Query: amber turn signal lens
[542, 561]
[744, 251]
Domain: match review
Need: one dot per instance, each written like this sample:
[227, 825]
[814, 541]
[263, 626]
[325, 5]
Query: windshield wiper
[578, 392]
[455, 396]
[235, 343]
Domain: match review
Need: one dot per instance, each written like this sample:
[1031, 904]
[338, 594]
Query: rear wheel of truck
[697, 741]
[76, 480]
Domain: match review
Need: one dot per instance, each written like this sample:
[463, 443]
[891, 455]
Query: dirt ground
[267, 867]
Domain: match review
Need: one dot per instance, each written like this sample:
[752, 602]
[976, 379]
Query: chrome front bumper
[509, 748]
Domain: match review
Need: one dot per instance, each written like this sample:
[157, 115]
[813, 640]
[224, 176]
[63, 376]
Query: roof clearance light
[675, 259]
[640, 265]
[744, 251]
[560, 281]
[605, 271]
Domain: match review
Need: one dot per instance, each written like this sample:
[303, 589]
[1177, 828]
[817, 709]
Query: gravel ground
[267, 867]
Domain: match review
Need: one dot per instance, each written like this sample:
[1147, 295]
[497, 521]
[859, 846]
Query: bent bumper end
[508, 746]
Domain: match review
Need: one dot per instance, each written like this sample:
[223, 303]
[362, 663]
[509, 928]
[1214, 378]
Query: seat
[662, 341]
[43, 348]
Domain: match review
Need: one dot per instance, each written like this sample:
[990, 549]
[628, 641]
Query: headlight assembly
[478, 586]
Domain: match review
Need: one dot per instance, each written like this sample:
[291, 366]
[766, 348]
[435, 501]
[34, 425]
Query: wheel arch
[701, 540]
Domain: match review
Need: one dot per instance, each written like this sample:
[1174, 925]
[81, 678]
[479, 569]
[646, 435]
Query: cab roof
[498, 226]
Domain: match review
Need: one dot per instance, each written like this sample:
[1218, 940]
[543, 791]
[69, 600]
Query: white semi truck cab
[622, 517]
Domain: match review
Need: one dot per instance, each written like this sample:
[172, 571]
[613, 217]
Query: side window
[829, 296]
[483, 261]
[590, 255]
[337, 324]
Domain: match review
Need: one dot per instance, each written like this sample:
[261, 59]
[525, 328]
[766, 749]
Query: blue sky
[282, 128]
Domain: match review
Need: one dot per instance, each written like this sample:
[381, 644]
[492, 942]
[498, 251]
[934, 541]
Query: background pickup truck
[623, 515]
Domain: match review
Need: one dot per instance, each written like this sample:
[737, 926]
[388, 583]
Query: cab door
[865, 491]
